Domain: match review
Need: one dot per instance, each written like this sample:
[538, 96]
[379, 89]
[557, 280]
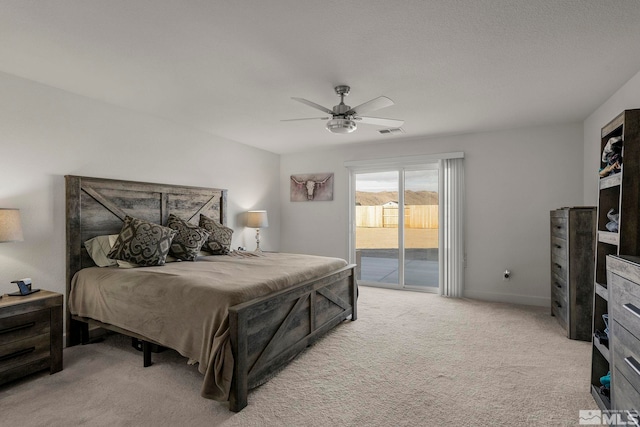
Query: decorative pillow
[189, 239]
[219, 242]
[99, 247]
[142, 242]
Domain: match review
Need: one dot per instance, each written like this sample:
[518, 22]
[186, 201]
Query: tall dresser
[572, 254]
[623, 277]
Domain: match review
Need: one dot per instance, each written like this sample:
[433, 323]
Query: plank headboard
[98, 206]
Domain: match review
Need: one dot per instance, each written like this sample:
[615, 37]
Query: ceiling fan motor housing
[340, 109]
[341, 123]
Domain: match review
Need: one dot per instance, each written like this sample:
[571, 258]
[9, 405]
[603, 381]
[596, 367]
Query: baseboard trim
[510, 298]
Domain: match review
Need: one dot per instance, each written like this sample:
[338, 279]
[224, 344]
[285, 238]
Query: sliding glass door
[421, 228]
[376, 218]
[396, 227]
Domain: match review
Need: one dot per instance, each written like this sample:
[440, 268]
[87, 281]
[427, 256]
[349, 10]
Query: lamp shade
[257, 219]
[10, 225]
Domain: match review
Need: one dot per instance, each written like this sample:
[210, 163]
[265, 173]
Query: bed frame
[266, 333]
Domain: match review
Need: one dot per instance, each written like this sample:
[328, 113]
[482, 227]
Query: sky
[420, 180]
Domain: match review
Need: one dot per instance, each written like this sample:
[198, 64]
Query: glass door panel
[376, 224]
[421, 228]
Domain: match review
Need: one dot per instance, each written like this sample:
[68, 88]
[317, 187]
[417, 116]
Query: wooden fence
[415, 216]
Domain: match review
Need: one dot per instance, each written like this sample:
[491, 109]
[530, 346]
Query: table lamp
[10, 226]
[257, 220]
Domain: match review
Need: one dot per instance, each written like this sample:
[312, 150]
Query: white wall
[513, 179]
[625, 98]
[46, 133]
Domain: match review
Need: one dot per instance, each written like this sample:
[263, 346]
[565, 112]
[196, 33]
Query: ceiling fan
[343, 118]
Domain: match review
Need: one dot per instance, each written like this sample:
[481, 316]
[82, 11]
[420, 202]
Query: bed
[254, 314]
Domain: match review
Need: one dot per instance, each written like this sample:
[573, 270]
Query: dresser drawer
[24, 326]
[624, 303]
[559, 227]
[559, 247]
[24, 351]
[625, 397]
[559, 308]
[626, 354]
[559, 267]
[559, 285]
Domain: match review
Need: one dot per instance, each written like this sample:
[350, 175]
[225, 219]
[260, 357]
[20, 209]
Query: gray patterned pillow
[219, 242]
[189, 239]
[142, 242]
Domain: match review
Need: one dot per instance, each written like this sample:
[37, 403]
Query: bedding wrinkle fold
[185, 305]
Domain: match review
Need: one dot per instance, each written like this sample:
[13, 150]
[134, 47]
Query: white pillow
[99, 247]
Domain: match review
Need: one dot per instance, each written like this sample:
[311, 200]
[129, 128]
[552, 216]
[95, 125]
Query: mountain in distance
[364, 198]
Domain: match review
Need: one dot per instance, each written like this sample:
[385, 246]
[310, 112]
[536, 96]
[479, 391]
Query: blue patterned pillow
[189, 239]
[142, 242]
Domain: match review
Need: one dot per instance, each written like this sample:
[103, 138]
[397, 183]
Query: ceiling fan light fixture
[341, 126]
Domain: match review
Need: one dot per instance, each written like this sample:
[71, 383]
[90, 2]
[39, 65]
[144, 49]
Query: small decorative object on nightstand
[30, 334]
[24, 287]
[257, 220]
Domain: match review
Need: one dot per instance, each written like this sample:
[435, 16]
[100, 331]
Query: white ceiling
[230, 67]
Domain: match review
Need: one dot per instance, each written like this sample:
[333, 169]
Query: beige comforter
[184, 305]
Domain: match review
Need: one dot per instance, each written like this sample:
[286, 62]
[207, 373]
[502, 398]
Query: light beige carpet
[411, 359]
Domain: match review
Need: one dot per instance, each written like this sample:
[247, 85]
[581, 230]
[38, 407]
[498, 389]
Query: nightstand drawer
[24, 326]
[624, 303]
[30, 334]
[24, 351]
[559, 227]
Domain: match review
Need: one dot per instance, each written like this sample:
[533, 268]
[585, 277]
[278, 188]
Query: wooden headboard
[97, 206]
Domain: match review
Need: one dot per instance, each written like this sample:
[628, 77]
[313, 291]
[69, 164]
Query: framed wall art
[312, 187]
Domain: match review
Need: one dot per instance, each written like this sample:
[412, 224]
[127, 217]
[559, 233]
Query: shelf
[604, 403]
[608, 237]
[604, 351]
[612, 126]
[602, 291]
[611, 181]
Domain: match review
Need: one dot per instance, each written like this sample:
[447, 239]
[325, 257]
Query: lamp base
[258, 241]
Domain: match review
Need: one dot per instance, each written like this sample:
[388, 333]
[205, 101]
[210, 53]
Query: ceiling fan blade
[314, 105]
[306, 118]
[374, 104]
[392, 123]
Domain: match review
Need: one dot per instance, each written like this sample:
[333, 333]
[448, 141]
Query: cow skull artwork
[312, 187]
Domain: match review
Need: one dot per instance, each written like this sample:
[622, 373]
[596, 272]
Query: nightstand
[30, 334]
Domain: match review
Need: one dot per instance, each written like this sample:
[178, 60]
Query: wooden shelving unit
[619, 191]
